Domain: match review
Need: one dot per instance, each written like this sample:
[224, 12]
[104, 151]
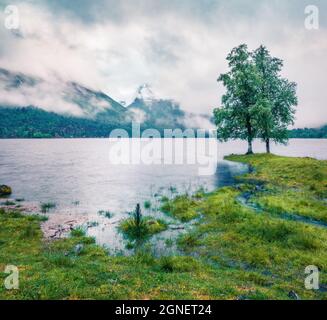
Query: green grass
[232, 235]
[106, 214]
[47, 206]
[78, 232]
[147, 204]
[183, 208]
[54, 271]
[292, 185]
[231, 252]
[9, 203]
[147, 228]
[297, 202]
[178, 264]
[306, 174]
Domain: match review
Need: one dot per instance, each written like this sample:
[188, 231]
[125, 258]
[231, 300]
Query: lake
[78, 176]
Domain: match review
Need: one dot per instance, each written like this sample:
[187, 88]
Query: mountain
[67, 97]
[34, 107]
[31, 107]
[155, 112]
[145, 93]
[11, 80]
[95, 104]
[31, 122]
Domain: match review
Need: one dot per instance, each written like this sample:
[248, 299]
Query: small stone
[293, 295]
[112, 281]
[322, 288]
[5, 190]
[177, 228]
[78, 249]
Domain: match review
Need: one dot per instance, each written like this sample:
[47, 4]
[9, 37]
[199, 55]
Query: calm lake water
[78, 175]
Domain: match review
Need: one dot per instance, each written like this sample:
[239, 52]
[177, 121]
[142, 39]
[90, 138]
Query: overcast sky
[177, 46]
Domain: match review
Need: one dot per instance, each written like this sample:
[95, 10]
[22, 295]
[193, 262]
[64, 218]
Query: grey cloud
[178, 46]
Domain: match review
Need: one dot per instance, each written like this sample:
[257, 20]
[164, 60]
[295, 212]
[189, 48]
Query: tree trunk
[250, 150]
[249, 129]
[268, 145]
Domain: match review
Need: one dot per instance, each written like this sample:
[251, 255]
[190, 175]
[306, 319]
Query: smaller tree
[276, 97]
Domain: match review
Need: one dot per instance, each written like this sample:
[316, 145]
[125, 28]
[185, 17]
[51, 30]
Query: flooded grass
[182, 207]
[138, 227]
[47, 206]
[106, 213]
[231, 250]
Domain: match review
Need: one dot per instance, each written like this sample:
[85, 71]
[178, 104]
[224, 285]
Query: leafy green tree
[276, 98]
[236, 119]
[258, 102]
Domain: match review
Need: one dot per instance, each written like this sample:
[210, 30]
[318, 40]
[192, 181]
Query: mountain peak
[145, 93]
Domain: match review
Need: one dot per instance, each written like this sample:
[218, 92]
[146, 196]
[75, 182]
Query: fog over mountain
[18, 90]
[177, 46]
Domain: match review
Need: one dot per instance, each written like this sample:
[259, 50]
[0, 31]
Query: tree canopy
[258, 102]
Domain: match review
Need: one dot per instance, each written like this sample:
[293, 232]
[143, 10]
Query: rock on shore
[5, 190]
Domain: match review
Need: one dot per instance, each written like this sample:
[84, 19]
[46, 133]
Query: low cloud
[179, 47]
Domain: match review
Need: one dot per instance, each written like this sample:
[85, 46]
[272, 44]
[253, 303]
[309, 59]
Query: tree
[258, 102]
[276, 98]
[235, 119]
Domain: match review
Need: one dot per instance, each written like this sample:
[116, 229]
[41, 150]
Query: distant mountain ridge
[23, 96]
[90, 102]
[31, 122]
[97, 113]
[152, 111]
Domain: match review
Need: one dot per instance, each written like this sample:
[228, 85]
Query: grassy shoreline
[236, 250]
